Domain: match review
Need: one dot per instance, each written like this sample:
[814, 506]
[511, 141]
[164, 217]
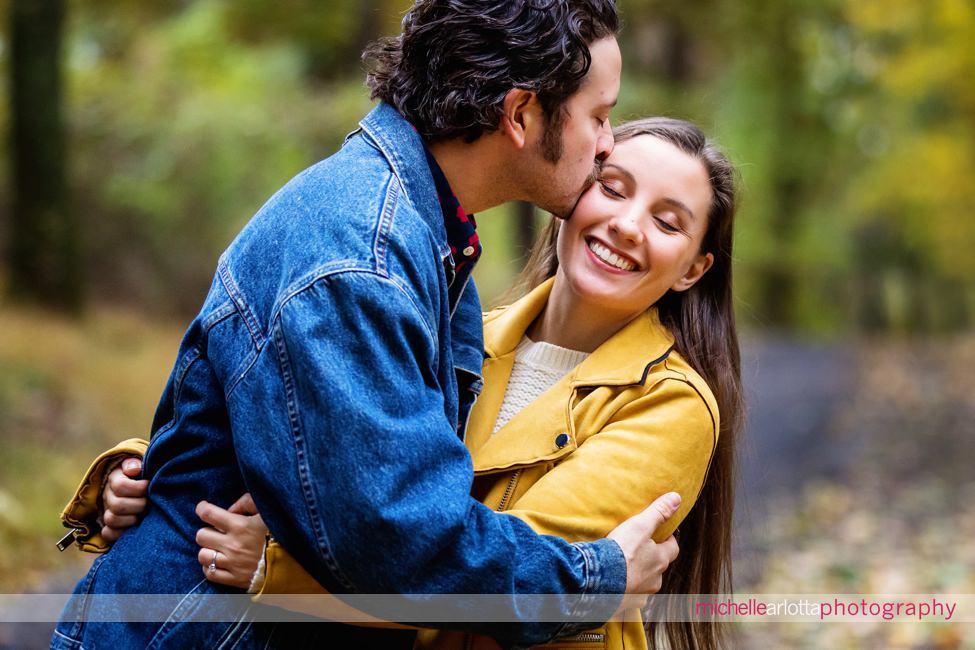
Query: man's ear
[694, 273]
[521, 116]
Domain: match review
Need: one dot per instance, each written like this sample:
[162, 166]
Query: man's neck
[474, 170]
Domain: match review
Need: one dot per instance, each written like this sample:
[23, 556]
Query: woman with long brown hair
[702, 321]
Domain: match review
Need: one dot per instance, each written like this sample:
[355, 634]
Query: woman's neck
[570, 322]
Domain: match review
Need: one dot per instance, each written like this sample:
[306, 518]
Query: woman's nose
[627, 225]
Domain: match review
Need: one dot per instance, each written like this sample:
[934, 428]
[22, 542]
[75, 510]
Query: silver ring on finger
[213, 564]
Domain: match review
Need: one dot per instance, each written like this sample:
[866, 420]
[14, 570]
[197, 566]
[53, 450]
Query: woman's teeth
[609, 256]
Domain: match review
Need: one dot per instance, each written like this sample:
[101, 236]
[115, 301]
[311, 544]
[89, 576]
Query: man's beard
[552, 148]
[551, 143]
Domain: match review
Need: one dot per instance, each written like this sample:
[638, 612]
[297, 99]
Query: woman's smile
[614, 260]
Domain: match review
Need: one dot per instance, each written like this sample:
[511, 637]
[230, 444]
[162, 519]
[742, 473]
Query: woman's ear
[520, 116]
[694, 273]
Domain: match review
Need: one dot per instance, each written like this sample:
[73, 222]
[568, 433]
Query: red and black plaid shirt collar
[465, 246]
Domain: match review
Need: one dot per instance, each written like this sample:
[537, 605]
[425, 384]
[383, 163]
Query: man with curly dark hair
[334, 362]
[464, 70]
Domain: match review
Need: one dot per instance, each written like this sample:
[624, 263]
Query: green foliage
[181, 140]
[852, 126]
[330, 35]
[851, 122]
[69, 388]
[917, 134]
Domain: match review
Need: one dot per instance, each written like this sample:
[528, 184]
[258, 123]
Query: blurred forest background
[142, 134]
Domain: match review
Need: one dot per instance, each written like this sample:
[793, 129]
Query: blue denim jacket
[328, 375]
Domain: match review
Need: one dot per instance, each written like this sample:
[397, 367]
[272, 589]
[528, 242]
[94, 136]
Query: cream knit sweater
[538, 366]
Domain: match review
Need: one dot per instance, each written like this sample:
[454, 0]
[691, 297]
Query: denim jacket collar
[404, 149]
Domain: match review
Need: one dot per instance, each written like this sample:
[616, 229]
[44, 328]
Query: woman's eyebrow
[680, 206]
[622, 171]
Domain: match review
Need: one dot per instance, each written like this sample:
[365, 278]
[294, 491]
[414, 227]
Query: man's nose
[604, 143]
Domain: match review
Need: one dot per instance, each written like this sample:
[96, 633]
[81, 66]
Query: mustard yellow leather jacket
[628, 424]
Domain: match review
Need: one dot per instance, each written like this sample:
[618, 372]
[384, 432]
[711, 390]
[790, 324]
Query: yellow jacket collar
[623, 359]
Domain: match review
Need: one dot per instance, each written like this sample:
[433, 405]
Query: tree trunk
[44, 247]
[788, 178]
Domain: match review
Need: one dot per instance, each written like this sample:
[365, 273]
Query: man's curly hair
[450, 69]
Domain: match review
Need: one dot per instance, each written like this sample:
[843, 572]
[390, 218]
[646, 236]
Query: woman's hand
[123, 499]
[232, 546]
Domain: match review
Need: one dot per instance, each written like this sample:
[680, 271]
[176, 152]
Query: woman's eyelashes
[666, 225]
[609, 190]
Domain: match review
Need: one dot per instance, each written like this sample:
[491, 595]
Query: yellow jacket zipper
[508, 490]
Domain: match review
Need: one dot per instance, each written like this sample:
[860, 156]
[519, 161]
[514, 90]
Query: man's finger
[657, 513]
[671, 548]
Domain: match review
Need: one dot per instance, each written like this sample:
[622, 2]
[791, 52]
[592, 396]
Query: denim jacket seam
[218, 314]
[385, 225]
[460, 296]
[591, 574]
[241, 372]
[378, 140]
[191, 356]
[230, 285]
[178, 615]
[314, 278]
[351, 134]
[237, 296]
[431, 329]
[294, 421]
[227, 310]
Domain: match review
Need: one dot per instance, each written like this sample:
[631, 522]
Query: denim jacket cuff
[605, 577]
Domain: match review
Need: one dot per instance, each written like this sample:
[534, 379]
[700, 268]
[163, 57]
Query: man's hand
[646, 560]
[123, 499]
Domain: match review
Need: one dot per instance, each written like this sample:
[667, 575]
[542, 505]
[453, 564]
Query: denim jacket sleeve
[383, 504]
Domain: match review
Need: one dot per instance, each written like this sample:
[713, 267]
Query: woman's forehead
[647, 157]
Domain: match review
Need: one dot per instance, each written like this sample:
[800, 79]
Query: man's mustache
[597, 168]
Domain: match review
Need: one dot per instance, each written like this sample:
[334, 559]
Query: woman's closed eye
[667, 225]
[609, 191]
